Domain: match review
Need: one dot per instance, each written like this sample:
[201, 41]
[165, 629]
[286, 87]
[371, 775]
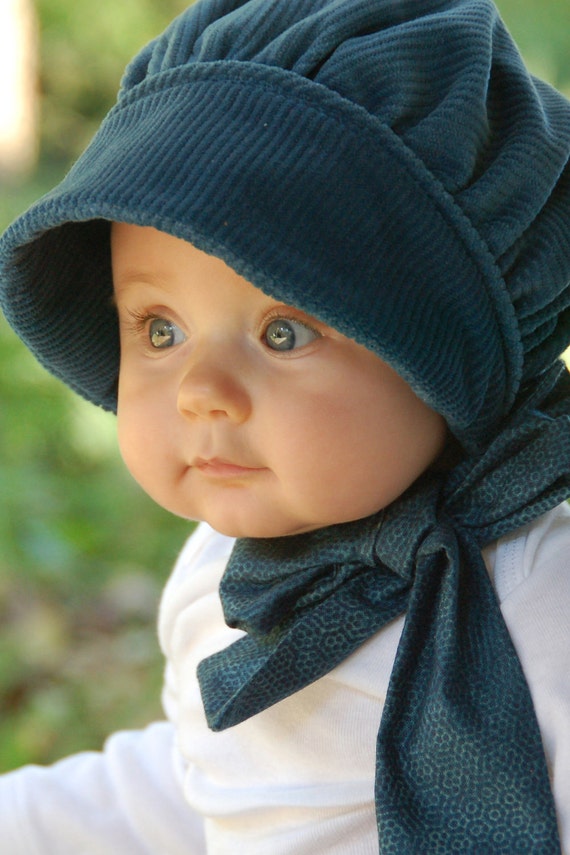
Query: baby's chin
[272, 528]
[264, 530]
[260, 527]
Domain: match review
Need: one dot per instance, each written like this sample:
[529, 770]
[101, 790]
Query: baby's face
[247, 413]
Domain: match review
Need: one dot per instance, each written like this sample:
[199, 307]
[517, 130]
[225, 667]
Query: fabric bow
[460, 765]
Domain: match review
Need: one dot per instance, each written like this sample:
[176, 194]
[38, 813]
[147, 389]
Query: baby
[317, 259]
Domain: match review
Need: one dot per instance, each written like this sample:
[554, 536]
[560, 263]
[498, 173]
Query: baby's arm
[127, 799]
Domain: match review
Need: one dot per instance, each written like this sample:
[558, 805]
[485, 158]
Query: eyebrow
[131, 278]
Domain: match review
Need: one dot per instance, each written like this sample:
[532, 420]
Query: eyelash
[138, 321]
[281, 313]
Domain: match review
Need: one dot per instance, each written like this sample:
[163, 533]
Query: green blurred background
[83, 553]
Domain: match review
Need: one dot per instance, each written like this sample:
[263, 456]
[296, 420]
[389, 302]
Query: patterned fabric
[460, 764]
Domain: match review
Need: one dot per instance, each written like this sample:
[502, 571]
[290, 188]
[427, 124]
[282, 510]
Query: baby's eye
[287, 334]
[163, 333]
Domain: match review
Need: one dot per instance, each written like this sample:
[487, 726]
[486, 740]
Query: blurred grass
[541, 28]
[83, 553]
[83, 556]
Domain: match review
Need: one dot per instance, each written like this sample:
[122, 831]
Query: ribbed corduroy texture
[388, 166]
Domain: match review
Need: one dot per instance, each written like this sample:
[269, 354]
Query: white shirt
[299, 777]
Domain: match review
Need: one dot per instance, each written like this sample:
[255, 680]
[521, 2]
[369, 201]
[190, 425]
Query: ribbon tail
[460, 764]
[226, 678]
[253, 673]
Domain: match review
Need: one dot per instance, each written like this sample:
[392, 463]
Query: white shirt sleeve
[125, 800]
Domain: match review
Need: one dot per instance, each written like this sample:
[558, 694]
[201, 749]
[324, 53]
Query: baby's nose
[211, 389]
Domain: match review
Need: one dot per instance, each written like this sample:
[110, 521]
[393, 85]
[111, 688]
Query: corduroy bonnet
[390, 167]
[386, 165]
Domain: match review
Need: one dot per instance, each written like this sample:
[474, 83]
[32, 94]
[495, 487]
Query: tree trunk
[18, 89]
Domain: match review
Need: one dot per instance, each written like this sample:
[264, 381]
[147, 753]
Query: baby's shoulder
[534, 556]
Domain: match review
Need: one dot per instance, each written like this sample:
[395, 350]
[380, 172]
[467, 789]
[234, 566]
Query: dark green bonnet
[387, 165]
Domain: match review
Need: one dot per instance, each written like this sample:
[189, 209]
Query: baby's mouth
[217, 467]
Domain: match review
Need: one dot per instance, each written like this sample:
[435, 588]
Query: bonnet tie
[460, 765]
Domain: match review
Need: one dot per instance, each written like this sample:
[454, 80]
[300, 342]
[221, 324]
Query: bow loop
[270, 581]
[307, 602]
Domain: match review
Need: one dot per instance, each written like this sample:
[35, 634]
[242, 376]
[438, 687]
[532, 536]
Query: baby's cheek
[129, 441]
[134, 433]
